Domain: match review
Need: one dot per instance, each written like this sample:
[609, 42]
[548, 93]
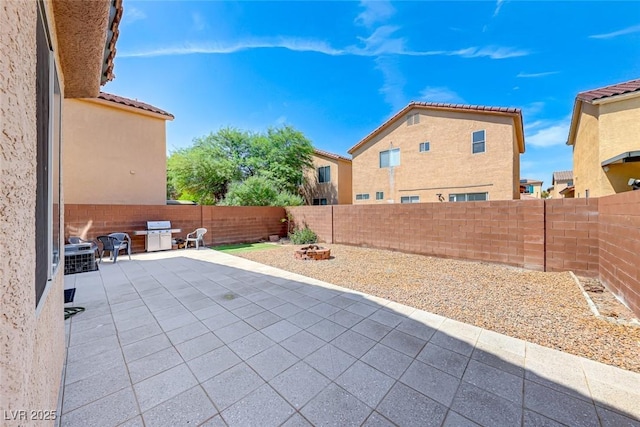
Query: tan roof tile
[133, 103]
[330, 155]
[607, 91]
[562, 176]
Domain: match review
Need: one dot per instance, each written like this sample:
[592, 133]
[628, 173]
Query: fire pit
[313, 252]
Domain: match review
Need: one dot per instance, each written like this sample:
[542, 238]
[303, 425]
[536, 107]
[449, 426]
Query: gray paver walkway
[204, 338]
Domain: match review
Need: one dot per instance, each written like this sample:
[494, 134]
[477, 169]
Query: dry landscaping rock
[545, 308]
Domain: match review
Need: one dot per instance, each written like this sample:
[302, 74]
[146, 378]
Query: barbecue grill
[157, 235]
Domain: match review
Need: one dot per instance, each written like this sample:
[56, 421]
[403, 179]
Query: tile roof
[607, 91]
[562, 176]
[331, 155]
[439, 106]
[568, 190]
[133, 103]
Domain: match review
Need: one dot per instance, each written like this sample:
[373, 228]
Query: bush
[303, 236]
[259, 191]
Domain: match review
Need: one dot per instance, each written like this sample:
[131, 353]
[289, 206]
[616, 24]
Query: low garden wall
[225, 224]
[591, 237]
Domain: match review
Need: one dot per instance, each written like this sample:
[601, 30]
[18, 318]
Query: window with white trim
[324, 174]
[468, 197]
[364, 196]
[410, 199]
[390, 158]
[379, 195]
[424, 147]
[413, 119]
[478, 142]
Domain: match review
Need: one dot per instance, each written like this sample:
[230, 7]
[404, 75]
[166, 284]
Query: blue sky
[337, 70]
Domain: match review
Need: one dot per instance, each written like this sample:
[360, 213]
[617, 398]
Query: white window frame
[465, 197]
[379, 195]
[410, 199]
[484, 141]
[362, 196]
[394, 154]
[425, 147]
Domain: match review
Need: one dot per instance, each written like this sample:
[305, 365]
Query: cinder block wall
[235, 224]
[509, 232]
[571, 235]
[619, 237]
[594, 237]
[224, 224]
[317, 218]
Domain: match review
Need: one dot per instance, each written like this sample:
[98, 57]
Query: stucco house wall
[586, 156]
[32, 342]
[338, 189]
[345, 171]
[619, 132]
[449, 167]
[32, 336]
[605, 124]
[113, 154]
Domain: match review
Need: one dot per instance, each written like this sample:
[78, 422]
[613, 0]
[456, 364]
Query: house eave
[85, 30]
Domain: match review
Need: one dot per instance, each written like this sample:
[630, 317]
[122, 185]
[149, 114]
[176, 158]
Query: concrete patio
[204, 338]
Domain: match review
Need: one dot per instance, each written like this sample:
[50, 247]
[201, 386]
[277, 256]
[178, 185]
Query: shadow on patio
[204, 338]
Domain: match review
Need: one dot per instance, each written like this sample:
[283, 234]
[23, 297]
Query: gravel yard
[544, 308]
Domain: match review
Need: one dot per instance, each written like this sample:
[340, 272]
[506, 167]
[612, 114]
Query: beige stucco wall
[605, 131]
[586, 159]
[31, 344]
[449, 167]
[338, 190]
[344, 190]
[557, 188]
[113, 154]
[619, 132]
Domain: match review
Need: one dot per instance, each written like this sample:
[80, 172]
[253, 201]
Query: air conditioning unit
[79, 258]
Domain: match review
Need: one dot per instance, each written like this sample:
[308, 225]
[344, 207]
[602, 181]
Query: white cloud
[440, 94]
[533, 109]
[375, 11]
[534, 75]
[281, 120]
[378, 43]
[296, 45]
[393, 82]
[624, 31]
[547, 133]
[132, 14]
[199, 22]
[499, 4]
[493, 52]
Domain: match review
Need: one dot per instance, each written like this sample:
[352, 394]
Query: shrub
[303, 236]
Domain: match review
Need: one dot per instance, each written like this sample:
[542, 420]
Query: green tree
[206, 170]
[259, 191]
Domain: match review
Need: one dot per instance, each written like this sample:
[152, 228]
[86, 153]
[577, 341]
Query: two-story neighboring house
[605, 135]
[115, 151]
[329, 182]
[562, 182]
[530, 188]
[430, 152]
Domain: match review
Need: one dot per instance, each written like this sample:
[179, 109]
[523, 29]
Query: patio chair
[125, 241]
[113, 245]
[197, 237]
